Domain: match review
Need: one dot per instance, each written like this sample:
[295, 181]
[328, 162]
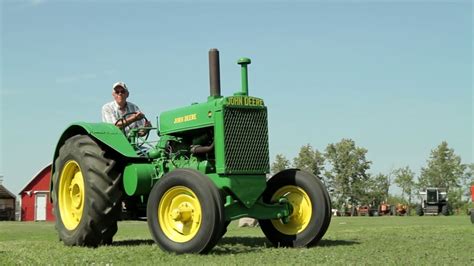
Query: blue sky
[395, 76]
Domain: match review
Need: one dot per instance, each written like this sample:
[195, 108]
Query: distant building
[35, 198]
[7, 204]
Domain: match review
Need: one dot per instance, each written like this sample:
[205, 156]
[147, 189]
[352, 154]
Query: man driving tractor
[125, 115]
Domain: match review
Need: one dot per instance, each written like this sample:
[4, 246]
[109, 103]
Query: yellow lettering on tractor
[244, 101]
[185, 118]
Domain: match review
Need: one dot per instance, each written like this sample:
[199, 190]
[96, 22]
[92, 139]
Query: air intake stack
[243, 62]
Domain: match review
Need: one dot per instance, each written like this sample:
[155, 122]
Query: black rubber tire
[472, 216]
[419, 210]
[212, 207]
[328, 214]
[393, 211]
[102, 192]
[224, 228]
[321, 208]
[445, 210]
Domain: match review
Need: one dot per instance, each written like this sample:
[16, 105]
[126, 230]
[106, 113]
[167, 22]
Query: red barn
[35, 203]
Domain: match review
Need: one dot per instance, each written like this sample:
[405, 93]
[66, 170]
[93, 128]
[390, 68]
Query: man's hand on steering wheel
[130, 118]
[137, 116]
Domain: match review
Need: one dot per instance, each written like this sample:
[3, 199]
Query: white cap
[121, 84]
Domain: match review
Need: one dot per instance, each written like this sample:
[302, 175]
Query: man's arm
[121, 123]
[108, 115]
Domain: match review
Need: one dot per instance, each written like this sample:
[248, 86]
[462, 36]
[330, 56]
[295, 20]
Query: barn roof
[5, 194]
[46, 168]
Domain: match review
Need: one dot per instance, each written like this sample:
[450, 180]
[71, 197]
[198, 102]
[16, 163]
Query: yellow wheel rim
[71, 195]
[302, 210]
[179, 214]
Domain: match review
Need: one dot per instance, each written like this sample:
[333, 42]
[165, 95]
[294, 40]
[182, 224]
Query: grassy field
[349, 240]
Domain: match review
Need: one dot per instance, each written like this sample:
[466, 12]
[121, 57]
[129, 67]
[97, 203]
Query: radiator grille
[246, 140]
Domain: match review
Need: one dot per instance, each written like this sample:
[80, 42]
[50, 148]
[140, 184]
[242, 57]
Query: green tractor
[208, 168]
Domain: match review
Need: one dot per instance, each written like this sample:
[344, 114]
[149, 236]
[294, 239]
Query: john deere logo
[245, 101]
[185, 118]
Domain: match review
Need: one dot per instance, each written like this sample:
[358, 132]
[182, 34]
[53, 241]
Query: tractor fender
[105, 133]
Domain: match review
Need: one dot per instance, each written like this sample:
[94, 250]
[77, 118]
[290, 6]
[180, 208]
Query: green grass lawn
[349, 240]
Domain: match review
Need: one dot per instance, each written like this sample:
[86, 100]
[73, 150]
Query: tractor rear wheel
[185, 212]
[311, 205]
[86, 193]
[419, 210]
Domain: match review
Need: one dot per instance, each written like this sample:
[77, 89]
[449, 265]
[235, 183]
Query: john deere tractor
[208, 167]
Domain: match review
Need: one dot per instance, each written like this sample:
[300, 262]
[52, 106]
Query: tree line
[344, 168]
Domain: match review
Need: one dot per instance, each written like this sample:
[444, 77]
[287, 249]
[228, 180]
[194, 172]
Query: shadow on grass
[252, 242]
[236, 245]
[333, 243]
[133, 242]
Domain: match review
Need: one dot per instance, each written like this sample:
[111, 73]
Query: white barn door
[40, 207]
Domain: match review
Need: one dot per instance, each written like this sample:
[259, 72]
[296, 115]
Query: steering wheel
[140, 140]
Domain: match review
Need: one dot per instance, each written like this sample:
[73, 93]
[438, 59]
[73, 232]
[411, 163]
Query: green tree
[468, 180]
[376, 189]
[455, 198]
[405, 179]
[347, 172]
[280, 163]
[382, 186]
[463, 193]
[309, 160]
[395, 199]
[444, 169]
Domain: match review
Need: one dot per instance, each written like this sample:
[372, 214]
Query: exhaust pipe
[214, 73]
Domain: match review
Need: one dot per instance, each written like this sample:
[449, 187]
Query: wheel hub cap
[179, 214]
[302, 210]
[71, 195]
[75, 192]
[183, 213]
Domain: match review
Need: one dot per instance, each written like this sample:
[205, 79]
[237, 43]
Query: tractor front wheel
[185, 212]
[311, 206]
[86, 193]
[445, 210]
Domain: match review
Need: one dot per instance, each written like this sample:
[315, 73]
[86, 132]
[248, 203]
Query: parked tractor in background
[208, 168]
[472, 203]
[382, 209]
[433, 202]
[385, 209]
[368, 210]
[401, 209]
[363, 210]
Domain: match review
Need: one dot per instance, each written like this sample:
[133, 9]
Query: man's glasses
[120, 92]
